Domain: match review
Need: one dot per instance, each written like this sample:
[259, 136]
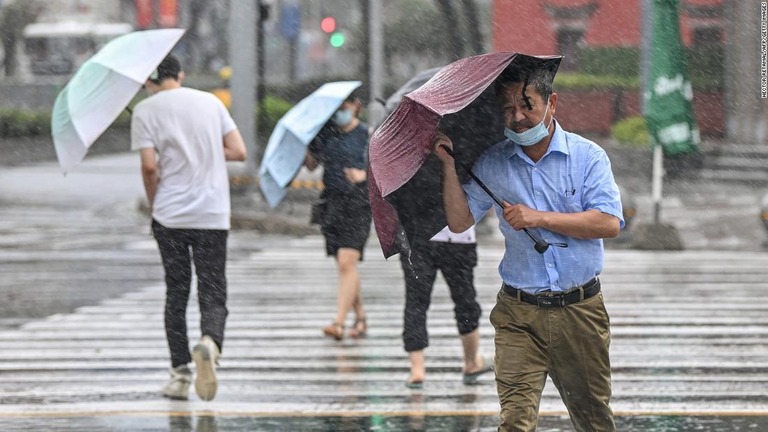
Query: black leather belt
[556, 299]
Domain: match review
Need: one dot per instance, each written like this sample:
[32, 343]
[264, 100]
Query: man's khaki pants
[570, 344]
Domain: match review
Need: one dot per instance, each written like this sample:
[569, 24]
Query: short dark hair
[532, 72]
[168, 68]
[540, 79]
[352, 97]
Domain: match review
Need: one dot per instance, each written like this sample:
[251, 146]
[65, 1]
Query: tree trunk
[745, 111]
[196, 11]
[13, 18]
[472, 22]
[9, 60]
[366, 41]
[453, 29]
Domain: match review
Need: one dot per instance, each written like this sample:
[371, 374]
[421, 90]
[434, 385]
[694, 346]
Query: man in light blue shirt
[549, 318]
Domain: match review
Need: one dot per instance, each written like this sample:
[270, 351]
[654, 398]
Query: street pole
[375, 108]
[242, 58]
[263, 15]
[657, 176]
[658, 182]
[653, 236]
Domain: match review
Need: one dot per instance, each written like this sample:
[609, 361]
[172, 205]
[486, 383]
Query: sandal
[415, 385]
[473, 378]
[334, 330]
[359, 328]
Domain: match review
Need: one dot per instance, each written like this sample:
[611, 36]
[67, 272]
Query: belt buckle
[550, 301]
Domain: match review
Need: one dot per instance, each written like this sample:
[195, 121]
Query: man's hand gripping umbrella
[441, 141]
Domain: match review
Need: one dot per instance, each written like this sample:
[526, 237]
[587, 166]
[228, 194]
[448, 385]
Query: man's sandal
[334, 330]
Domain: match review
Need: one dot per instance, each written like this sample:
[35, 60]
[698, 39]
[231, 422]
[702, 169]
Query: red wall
[615, 23]
[595, 111]
[522, 26]
[525, 25]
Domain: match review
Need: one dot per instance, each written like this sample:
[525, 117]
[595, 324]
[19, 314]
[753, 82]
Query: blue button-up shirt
[573, 176]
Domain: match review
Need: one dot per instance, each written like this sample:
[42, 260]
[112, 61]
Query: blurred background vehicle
[58, 48]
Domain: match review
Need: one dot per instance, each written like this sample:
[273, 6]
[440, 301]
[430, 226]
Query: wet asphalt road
[73, 242]
[415, 423]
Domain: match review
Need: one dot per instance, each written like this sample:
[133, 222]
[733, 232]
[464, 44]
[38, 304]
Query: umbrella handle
[540, 245]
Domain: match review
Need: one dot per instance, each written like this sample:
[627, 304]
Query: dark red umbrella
[401, 145]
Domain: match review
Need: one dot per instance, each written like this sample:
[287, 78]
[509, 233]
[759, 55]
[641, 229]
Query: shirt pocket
[570, 201]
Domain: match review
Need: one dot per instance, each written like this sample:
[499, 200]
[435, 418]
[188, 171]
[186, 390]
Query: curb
[270, 223]
[265, 222]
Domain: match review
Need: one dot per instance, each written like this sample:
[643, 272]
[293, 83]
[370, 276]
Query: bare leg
[473, 360]
[360, 327]
[357, 304]
[418, 369]
[349, 283]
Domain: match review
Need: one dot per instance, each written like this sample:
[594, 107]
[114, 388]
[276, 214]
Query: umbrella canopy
[288, 143]
[102, 87]
[458, 99]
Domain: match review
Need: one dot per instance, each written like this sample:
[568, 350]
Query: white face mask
[532, 135]
[342, 117]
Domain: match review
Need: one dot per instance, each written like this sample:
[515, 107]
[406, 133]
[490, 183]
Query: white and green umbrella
[102, 87]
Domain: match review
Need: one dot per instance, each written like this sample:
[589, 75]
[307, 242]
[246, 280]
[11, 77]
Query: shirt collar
[557, 144]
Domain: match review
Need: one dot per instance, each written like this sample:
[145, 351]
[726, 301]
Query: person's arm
[355, 175]
[234, 146]
[455, 203]
[314, 150]
[600, 202]
[358, 174]
[590, 224]
[149, 173]
[310, 161]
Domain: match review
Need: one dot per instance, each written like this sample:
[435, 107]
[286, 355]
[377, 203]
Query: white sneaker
[206, 357]
[178, 386]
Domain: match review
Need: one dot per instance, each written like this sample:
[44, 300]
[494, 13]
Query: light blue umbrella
[288, 143]
[102, 87]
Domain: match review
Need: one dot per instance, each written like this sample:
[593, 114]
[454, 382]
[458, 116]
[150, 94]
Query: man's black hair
[170, 67]
[540, 73]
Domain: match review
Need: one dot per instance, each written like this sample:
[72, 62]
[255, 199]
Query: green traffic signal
[337, 40]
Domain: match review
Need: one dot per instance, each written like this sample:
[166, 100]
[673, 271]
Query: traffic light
[336, 38]
[328, 24]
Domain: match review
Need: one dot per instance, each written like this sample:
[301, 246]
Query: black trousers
[178, 249]
[456, 261]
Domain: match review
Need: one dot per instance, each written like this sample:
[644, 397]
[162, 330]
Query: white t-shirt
[187, 129]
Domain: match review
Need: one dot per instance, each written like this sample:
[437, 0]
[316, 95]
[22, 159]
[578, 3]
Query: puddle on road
[383, 423]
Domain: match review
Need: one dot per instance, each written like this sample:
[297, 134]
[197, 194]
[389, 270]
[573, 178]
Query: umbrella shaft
[541, 246]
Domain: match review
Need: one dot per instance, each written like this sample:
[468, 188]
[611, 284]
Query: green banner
[669, 107]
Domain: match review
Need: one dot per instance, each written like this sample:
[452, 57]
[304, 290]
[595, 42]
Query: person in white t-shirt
[185, 137]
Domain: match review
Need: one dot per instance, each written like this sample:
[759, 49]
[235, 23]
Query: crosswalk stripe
[685, 325]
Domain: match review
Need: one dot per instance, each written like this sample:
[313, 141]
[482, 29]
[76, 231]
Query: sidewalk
[708, 215]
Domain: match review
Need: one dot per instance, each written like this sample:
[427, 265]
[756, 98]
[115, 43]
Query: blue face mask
[532, 135]
[342, 117]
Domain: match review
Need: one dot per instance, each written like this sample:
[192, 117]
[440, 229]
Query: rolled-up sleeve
[600, 189]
